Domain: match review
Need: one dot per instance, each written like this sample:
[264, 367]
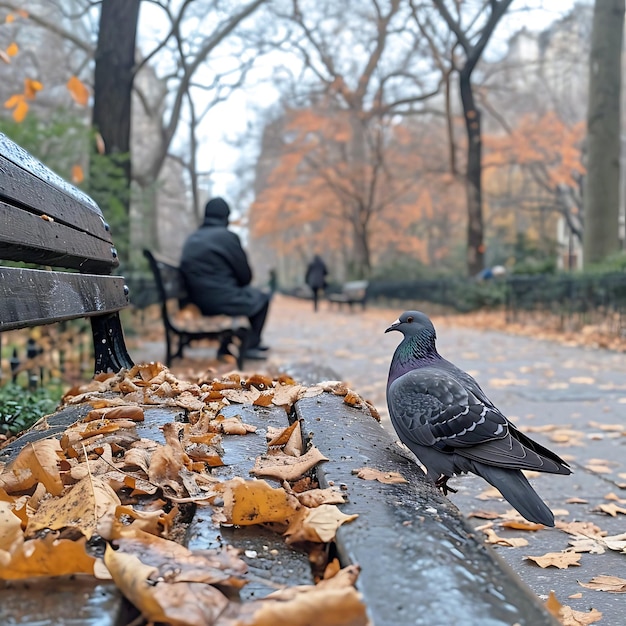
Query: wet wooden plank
[35, 297]
[270, 561]
[26, 182]
[421, 563]
[27, 237]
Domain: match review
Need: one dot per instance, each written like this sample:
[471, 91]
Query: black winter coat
[316, 273]
[216, 271]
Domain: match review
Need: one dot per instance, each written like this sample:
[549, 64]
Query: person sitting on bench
[217, 276]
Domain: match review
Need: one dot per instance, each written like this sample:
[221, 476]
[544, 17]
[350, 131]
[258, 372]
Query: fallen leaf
[567, 616]
[613, 584]
[89, 506]
[388, 478]
[36, 462]
[319, 524]
[510, 542]
[257, 502]
[562, 560]
[611, 509]
[522, 525]
[285, 467]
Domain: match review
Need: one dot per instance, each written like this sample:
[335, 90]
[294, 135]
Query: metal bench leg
[109, 347]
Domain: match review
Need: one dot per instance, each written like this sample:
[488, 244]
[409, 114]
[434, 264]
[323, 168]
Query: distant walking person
[316, 277]
[217, 276]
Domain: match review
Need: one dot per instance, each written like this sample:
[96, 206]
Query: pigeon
[443, 416]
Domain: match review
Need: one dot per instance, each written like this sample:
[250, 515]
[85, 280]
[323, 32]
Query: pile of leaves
[101, 501]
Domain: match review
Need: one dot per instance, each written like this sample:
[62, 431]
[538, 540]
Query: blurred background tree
[346, 128]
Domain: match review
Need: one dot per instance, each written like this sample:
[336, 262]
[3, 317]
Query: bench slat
[27, 237]
[34, 297]
[26, 182]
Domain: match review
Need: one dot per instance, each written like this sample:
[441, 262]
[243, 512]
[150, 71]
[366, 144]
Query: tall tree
[363, 57]
[601, 193]
[472, 36]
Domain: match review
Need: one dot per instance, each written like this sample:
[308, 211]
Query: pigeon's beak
[394, 326]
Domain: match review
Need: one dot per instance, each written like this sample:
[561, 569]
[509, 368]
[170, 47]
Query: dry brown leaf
[332, 602]
[489, 494]
[319, 524]
[611, 509]
[172, 602]
[510, 542]
[283, 437]
[285, 467]
[88, 506]
[130, 412]
[47, 557]
[36, 462]
[562, 560]
[567, 616]
[256, 502]
[612, 584]
[11, 536]
[522, 525]
[315, 497]
[388, 478]
[576, 501]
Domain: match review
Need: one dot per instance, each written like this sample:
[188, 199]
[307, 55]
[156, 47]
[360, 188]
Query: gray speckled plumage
[444, 417]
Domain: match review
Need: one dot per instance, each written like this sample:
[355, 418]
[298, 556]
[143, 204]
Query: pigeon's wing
[433, 408]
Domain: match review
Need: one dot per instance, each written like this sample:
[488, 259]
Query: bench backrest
[169, 283]
[47, 222]
[356, 289]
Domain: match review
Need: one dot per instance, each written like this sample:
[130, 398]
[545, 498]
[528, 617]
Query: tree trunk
[601, 191]
[473, 183]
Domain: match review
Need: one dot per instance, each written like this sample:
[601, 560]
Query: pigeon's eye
[409, 319]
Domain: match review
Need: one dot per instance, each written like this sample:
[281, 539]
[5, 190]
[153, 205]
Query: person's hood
[216, 212]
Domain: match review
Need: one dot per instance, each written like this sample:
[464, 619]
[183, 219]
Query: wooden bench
[354, 292]
[47, 222]
[420, 561]
[181, 329]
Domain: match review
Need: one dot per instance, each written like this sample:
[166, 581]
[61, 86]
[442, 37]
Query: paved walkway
[571, 399]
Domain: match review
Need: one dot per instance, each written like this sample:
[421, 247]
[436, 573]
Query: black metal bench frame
[171, 287]
[47, 222]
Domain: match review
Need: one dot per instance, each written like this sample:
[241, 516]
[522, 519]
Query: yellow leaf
[77, 174]
[12, 50]
[13, 101]
[31, 87]
[48, 557]
[20, 111]
[78, 91]
[9, 19]
[257, 502]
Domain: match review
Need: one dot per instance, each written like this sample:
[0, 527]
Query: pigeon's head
[414, 324]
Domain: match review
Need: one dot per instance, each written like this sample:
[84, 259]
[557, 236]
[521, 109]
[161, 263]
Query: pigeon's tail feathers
[516, 490]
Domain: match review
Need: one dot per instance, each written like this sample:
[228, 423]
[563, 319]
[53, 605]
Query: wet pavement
[570, 399]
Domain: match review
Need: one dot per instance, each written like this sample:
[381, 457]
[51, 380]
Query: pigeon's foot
[442, 483]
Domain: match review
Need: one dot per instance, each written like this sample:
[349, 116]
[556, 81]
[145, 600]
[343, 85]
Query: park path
[572, 399]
